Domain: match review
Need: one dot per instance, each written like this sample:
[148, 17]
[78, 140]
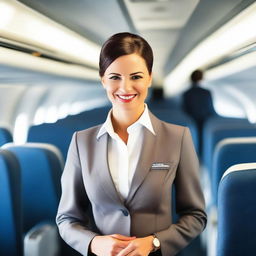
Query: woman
[124, 170]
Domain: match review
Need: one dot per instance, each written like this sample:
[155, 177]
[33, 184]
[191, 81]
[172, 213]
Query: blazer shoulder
[89, 132]
[174, 130]
[170, 128]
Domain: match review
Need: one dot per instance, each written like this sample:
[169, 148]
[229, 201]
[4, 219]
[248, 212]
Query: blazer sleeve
[72, 220]
[189, 202]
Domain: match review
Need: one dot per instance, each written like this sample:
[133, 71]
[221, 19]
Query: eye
[136, 77]
[114, 77]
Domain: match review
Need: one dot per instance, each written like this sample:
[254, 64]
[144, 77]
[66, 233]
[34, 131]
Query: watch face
[156, 242]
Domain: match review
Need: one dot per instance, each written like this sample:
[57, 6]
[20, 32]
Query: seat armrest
[42, 240]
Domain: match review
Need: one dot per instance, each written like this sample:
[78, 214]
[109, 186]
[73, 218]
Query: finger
[122, 244]
[118, 250]
[126, 251]
[124, 238]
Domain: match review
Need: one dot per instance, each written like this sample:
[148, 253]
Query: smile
[126, 98]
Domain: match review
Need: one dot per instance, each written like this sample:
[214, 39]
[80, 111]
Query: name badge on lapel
[160, 166]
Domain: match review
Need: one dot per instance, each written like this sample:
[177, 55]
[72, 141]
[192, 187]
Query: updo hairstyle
[124, 44]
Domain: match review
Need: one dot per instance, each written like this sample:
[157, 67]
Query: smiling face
[126, 81]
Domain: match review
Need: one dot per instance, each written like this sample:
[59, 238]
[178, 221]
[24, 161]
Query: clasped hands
[119, 245]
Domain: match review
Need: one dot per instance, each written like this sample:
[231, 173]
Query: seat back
[5, 136]
[10, 205]
[236, 211]
[229, 152]
[217, 129]
[41, 169]
[60, 133]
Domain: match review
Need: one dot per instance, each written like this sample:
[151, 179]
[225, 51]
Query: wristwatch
[156, 243]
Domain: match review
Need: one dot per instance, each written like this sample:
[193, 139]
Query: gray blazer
[89, 195]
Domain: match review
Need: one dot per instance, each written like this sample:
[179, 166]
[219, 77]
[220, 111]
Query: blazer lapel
[147, 156]
[101, 165]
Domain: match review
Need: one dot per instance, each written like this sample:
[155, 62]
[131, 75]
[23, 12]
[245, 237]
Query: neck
[122, 118]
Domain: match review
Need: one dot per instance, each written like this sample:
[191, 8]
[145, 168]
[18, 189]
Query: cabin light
[236, 33]
[6, 14]
[23, 24]
[24, 60]
[237, 65]
[36, 54]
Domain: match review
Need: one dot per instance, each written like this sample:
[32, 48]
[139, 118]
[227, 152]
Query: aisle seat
[41, 168]
[10, 205]
[236, 211]
[229, 152]
[219, 128]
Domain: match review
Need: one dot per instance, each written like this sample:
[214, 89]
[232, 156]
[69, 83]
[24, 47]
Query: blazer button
[125, 212]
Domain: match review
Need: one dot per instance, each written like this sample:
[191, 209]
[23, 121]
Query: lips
[126, 97]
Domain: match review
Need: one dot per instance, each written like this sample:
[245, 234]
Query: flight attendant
[118, 178]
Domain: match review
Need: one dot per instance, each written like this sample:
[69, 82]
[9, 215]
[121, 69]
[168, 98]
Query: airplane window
[63, 110]
[20, 128]
[225, 105]
[51, 114]
[39, 116]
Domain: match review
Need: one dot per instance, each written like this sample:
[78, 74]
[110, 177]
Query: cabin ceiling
[172, 27]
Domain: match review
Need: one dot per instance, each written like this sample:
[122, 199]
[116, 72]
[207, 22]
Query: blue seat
[10, 206]
[236, 211]
[219, 128]
[60, 133]
[229, 152]
[41, 168]
[5, 136]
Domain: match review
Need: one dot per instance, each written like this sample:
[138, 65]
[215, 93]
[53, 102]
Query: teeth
[126, 97]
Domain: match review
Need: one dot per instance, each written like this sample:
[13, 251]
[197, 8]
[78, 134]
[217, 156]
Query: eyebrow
[116, 74]
[135, 73]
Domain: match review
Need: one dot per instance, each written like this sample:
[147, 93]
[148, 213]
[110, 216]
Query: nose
[126, 85]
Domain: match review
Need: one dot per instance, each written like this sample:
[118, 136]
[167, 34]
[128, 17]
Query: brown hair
[124, 44]
[197, 76]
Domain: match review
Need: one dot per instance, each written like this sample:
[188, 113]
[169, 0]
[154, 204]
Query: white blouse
[122, 158]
